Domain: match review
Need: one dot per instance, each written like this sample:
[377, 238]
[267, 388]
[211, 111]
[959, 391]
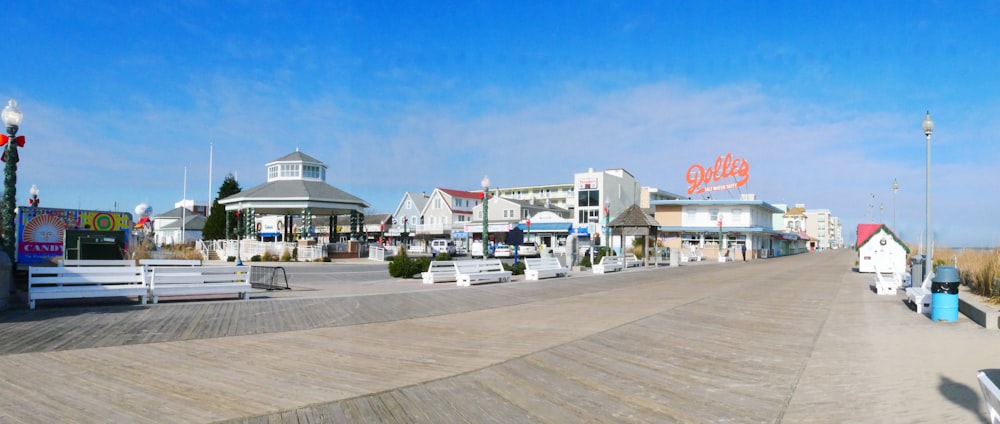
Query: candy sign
[700, 179]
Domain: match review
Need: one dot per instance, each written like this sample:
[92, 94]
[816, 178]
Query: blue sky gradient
[823, 99]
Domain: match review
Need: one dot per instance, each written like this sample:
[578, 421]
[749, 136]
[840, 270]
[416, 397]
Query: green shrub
[515, 269]
[602, 252]
[585, 262]
[267, 257]
[420, 264]
[295, 253]
[399, 267]
[285, 256]
[326, 259]
[230, 259]
[255, 258]
[442, 257]
[402, 266]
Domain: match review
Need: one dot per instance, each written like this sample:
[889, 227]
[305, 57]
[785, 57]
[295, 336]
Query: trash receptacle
[944, 294]
[916, 270]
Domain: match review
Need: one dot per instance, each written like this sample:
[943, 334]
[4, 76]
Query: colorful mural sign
[41, 231]
[701, 179]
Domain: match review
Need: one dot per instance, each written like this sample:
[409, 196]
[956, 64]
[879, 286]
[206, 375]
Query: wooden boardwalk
[795, 339]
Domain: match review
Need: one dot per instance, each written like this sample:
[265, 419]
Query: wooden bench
[199, 280]
[75, 282]
[609, 264]
[631, 261]
[992, 395]
[468, 273]
[921, 296]
[536, 268]
[887, 285]
[439, 271]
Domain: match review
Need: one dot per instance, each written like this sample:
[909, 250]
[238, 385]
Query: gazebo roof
[291, 196]
[633, 217]
[292, 193]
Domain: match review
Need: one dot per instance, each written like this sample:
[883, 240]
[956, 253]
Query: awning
[548, 227]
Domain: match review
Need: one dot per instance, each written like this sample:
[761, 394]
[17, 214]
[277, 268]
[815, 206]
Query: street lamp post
[607, 229]
[720, 235]
[11, 120]
[33, 201]
[239, 235]
[928, 127]
[406, 232]
[486, 215]
[895, 188]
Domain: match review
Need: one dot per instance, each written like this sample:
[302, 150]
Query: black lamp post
[11, 120]
[486, 215]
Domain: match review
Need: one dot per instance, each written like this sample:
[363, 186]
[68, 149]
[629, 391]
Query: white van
[442, 246]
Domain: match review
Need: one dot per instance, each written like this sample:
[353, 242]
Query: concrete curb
[980, 312]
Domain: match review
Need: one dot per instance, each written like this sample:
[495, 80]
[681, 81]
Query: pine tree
[215, 226]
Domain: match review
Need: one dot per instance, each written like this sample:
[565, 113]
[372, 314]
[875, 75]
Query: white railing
[376, 253]
[245, 249]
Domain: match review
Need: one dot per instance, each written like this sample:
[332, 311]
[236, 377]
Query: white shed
[879, 247]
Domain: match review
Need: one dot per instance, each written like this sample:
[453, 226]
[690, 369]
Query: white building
[719, 226]
[879, 248]
[182, 224]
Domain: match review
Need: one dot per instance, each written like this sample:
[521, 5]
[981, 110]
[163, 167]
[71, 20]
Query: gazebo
[296, 190]
[634, 222]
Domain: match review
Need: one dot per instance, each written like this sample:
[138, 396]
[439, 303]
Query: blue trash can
[944, 294]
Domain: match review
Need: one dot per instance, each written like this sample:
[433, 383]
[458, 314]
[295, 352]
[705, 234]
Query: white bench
[992, 395]
[887, 285]
[537, 268]
[691, 255]
[921, 296]
[609, 264]
[468, 273]
[631, 260]
[439, 271]
[199, 280]
[96, 262]
[74, 282]
[169, 262]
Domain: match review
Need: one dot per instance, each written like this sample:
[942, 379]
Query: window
[588, 198]
[409, 204]
[692, 215]
[588, 215]
[737, 217]
[272, 172]
[437, 203]
[526, 214]
[310, 171]
[713, 214]
[289, 170]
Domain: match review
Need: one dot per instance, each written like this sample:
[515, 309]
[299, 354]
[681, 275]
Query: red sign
[701, 178]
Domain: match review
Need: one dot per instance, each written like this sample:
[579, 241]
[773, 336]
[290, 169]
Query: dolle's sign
[701, 179]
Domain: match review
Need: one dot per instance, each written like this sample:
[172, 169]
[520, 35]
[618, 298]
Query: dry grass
[142, 251]
[978, 269]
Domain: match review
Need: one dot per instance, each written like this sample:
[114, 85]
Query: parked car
[442, 246]
[476, 249]
[503, 251]
[528, 250]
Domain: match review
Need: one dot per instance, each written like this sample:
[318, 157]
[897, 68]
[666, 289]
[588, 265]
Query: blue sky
[823, 99]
